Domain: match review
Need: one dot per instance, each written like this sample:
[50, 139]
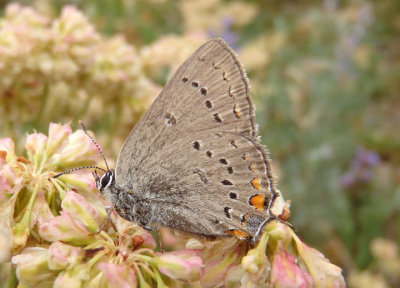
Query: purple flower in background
[227, 33]
[351, 40]
[361, 168]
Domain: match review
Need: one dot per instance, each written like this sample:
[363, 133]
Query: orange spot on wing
[256, 182]
[252, 167]
[231, 92]
[237, 233]
[236, 111]
[257, 201]
[245, 156]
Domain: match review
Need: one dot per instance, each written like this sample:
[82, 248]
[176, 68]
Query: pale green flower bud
[77, 221]
[32, 266]
[35, 146]
[64, 256]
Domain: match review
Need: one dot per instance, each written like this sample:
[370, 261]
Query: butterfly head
[105, 181]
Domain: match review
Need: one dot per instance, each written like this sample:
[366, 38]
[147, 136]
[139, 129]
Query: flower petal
[286, 274]
[63, 256]
[32, 266]
[7, 145]
[80, 181]
[181, 265]
[10, 181]
[128, 229]
[5, 243]
[35, 145]
[64, 228]
[219, 257]
[74, 277]
[256, 265]
[324, 273]
[57, 134]
[118, 276]
[79, 150]
[82, 211]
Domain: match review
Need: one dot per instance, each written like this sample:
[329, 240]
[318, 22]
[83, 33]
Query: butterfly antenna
[95, 143]
[79, 168]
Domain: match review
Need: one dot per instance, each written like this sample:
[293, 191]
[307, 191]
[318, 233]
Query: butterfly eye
[106, 179]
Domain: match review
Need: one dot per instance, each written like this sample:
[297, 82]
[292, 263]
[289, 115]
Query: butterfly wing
[197, 146]
[211, 183]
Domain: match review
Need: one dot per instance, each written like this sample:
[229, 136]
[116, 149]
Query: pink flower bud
[78, 220]
[10, 181]
[181, 265]
[35, 144]
[63, 228]
[81, 181]
[219, 258]
[77, 151]
[7, 146]
[127, 229]
[286, 273]
[63, 256]
[57, 134]
[118, 275]
[324, 273]
[82, 211]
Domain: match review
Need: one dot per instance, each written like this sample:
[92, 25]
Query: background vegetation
[325, 78]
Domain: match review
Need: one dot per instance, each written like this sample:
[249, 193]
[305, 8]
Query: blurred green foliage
[325, 79]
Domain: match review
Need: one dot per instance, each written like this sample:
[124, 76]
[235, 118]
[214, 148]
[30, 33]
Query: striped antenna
[95, 143]
[78, 168]
[86, 167]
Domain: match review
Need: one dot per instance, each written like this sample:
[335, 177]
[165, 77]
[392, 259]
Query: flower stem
[12, 281]
[21, 230]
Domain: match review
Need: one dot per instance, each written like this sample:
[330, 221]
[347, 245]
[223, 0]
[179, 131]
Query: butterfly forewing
[196, 98]
[195, 153]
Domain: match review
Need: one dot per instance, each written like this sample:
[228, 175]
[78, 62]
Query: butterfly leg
[109, 210]
[148, 227]
[160, 241]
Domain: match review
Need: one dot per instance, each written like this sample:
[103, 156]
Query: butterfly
[194, 161]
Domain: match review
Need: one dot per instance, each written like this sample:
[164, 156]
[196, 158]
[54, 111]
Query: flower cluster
[384, 270]
[53, 231]
[49, 67]
[27, 193]
[169, 51]
[206, 15]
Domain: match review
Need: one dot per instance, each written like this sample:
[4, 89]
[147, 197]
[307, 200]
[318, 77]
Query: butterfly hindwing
[219, 184]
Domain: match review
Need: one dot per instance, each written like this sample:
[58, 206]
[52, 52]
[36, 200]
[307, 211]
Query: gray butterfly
[194, 161]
